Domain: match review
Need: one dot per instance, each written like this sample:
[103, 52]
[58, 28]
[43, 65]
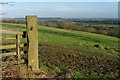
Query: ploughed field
[76, 54]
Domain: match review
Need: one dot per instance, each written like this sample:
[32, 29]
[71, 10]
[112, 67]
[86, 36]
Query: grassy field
[65, 49]
[72, 39]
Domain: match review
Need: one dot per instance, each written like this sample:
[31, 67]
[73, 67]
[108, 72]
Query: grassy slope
[61, 48]
[72, 39]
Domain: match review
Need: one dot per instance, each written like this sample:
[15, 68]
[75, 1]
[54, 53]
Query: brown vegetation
[64, 63]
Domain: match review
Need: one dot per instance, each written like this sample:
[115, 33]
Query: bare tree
[3, 13]
[6, 3]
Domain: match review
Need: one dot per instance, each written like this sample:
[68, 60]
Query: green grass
[63, 51]
[11, 26]
[71, 39]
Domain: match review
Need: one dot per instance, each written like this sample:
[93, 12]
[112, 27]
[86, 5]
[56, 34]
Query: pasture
[69, 53]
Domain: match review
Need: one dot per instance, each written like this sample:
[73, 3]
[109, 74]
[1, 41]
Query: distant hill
[90, 20]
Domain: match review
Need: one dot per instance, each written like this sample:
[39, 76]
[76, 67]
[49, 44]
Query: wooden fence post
[18, 47]
[32, 37]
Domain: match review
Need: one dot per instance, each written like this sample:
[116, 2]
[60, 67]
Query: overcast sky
[62, 9]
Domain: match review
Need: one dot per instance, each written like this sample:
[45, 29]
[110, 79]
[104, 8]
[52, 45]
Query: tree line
[105, 29]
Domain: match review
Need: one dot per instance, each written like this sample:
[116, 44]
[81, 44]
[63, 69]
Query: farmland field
[77, 54]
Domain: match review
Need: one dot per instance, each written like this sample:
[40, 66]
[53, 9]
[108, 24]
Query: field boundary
[16, 46]
[31, 34]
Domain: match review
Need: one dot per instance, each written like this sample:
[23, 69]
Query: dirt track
[9, 31]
